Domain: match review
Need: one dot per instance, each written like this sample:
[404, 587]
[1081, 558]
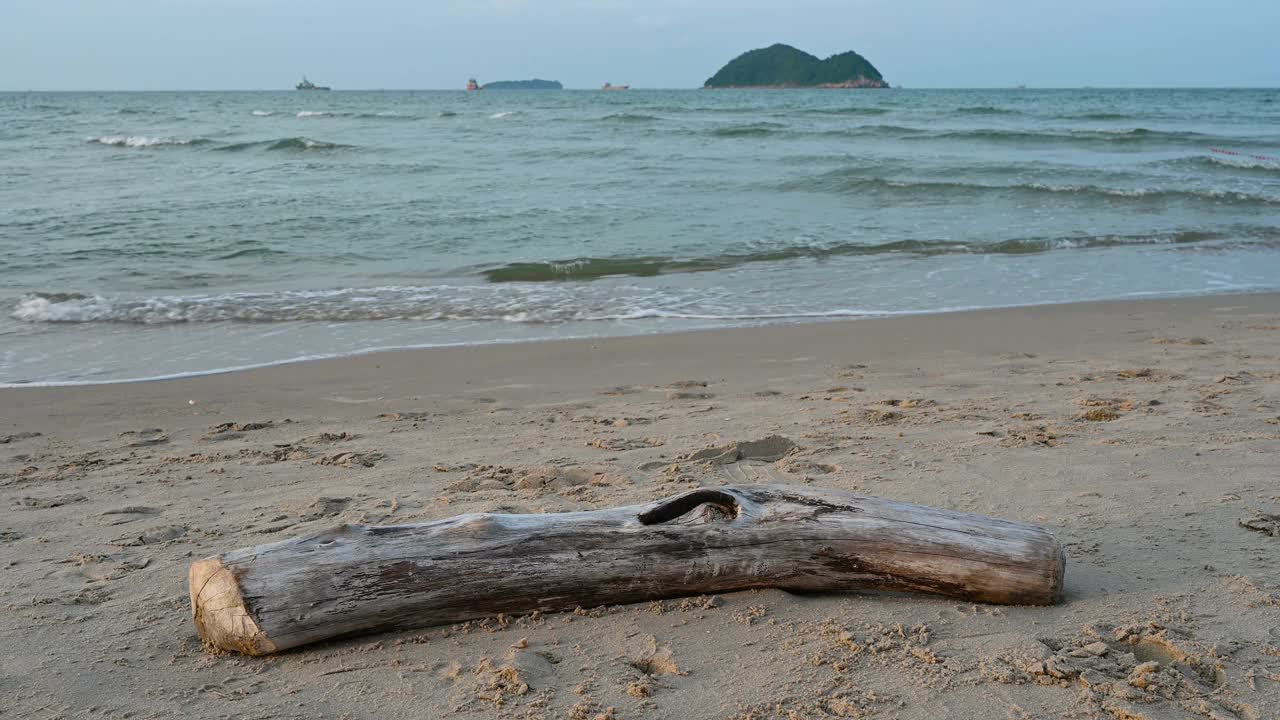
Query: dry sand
[1143, 433]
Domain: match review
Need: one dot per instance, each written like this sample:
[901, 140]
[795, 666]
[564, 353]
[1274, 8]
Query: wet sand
[1145, 434]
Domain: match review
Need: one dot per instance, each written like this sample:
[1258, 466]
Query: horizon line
[655, 88]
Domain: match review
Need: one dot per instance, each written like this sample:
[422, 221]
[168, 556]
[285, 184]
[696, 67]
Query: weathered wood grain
[357, 579]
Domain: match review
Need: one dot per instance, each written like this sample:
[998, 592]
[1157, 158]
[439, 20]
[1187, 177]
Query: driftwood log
[356, 579]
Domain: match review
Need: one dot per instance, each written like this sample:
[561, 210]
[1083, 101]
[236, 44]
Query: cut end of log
[1058, 588]
[219, 612]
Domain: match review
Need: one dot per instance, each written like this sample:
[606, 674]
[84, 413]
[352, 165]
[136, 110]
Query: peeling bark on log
[357, 579]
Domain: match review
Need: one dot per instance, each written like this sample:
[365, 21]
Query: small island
[534, 84]
[782, 66]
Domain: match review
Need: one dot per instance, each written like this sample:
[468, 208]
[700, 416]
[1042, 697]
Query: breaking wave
[362, 115]
[537, 304]
[143, 141]
[647, 266]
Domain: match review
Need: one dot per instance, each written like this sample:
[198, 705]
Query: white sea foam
[263, 113]
[312, 113]
[500, 115]
[137, 141]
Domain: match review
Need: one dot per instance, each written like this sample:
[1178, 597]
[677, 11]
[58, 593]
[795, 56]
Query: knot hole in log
[697, 507]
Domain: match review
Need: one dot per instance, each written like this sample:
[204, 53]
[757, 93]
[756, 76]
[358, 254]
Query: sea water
[147, 235]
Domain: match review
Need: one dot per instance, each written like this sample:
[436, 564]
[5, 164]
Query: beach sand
[1144, 433]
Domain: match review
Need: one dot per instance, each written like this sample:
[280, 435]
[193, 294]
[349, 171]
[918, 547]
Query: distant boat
[308, 85]
[611, 86]
[473, 85]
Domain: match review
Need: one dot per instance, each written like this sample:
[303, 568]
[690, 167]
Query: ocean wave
[294, 144]
[630, 118]
[501, 115]
[1119, 135]
[1116, 136]
[593, 268]
[143, 141]
[985, 110]
[313, 113]
[760, 129]
[854, 111]
[895, 131]
[855, 181]
[1098, 116]
[263, 113]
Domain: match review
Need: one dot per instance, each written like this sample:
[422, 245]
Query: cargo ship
[611, 86]
[308, 85]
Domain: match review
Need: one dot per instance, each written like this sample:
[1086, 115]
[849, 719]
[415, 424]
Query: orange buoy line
[1264, 158]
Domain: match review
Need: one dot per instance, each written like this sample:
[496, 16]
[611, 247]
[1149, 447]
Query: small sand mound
[1265, 523]
[769, 449]
[351, 459]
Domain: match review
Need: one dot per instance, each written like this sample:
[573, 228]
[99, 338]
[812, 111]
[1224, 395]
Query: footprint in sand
[153, 536]
[6, 439]
[688, 390]
[46, 503]
[144, 438]
[688, 395]
[326, 438]
[621, 444]
[541, 479]
[323, 507]
[127, 514]
[802, 466]
[404, 416]
[232, 430]
[351, 459]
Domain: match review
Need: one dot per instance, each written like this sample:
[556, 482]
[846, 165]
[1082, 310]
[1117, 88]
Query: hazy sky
[251, 44]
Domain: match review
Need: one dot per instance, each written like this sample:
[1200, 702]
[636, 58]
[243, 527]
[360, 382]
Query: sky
[421, 44]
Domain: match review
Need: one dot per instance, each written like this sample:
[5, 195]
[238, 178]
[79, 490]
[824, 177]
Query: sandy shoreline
[1141, 432]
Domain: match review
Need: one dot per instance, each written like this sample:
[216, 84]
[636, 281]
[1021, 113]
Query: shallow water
[153, 234]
